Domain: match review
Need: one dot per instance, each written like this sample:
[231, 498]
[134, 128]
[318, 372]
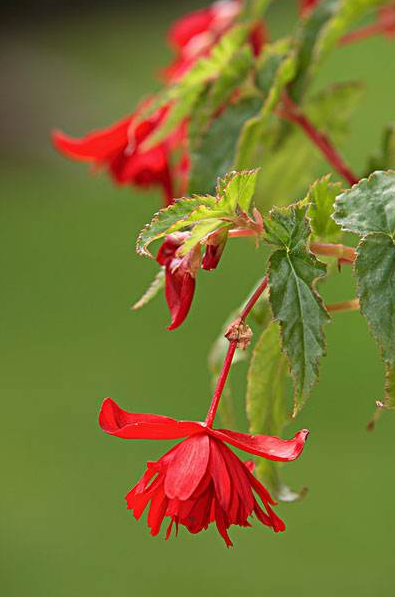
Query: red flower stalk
[194, 35]
[118, 148]
[180, 274]
[384, 24]
[200, 480]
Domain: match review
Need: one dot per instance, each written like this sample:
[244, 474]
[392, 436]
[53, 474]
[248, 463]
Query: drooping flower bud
[214, 248]
[180, 274]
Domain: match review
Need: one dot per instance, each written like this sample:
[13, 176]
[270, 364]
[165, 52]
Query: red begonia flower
[200, 480]
[306, 6]
[118, 148]
[194, 35]
[180, 274]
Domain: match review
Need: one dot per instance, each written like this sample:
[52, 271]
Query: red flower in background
[118, 148]
[200, 480]
[180, 274]
[306, 6]
[194, 34]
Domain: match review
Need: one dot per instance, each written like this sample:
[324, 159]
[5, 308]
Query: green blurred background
[68, 339]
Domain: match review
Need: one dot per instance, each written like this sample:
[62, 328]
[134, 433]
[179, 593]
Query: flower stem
[342, 252]
[385, 25]
[343, 306]
[229, 355]
[292, 113]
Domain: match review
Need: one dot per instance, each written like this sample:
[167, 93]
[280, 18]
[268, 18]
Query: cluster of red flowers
[119, 148]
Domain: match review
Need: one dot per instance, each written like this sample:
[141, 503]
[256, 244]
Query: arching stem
[230, 354]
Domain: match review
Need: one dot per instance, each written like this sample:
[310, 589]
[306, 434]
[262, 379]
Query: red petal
[267, 446]
[220, 475]
[179, 296]
[190, 25]
[116, 421]
[98, 146]
[188, 467]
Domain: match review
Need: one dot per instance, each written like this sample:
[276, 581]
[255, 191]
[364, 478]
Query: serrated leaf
[321, 197]
[369, 206]
[268, 407]
[184, 94]
[239, 189]
[156, 286]
[375, 271]
[216, 153]
[293, 271]
[368, 209]
[164, 219]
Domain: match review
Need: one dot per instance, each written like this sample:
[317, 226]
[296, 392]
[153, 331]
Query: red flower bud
[214, 248]
[180, 274]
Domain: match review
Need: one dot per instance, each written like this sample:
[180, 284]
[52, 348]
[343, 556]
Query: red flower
[200, 480]
[196, 33]
[180, 274]
[118, 148]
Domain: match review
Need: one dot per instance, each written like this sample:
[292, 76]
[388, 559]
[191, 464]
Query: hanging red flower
[180, 275]
[193, 35]
[200, 480]
[119, 149]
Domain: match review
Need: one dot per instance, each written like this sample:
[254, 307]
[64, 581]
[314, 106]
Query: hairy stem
[229, 355]
[292, 113]
[343, 306]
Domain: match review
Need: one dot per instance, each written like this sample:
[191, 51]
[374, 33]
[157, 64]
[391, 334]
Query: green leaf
[185, 93]
[369, 206]
[319, 33]
[218, 94]
[290, 166]
[368, 209]
[238, 189]
[156, 286]
[164, 219]
[201, 231]
[268, 406]
[321, 197]
[384, 159]
[205, 213]
[275, 68]
[331, 108]
[293, 271]
[375, 271]
[215, 154]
